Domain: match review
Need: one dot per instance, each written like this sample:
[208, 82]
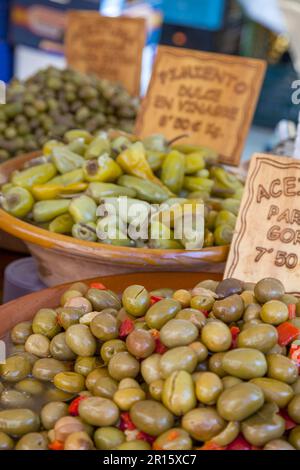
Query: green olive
[216, 336]
[60, 350]
[200, 350]
[111, 347]
[252, 312]
[6, 442]
[136, 300]
[262, 337]
[151, 417]
[105, 387]
[229, 309]
[32, 441]
[18, 422]
[52, 412]
[294, 437]
[156, 389]
[294, 409]
[204, 303]
[203, 424]
[173, 439]
[98, 411]
[108, 438]
[134, 445]
[229, 381]
[38, 344]
[274, 391]
[21, 332]
[80, 340]
[274, 312]
[140, 343]
[45, 323]
[31, 386]
[228, 435]
[268, 289]
[15, 369]
[104, 327]
[150, 368]
[245, 363]
[69, 316]
[178, 333]
[127, 397]
[93, 376]
[178, 393]
[69, 382]
[278, 444]
[85, 365]
[46, 369]
[161, 312]
[240, 401]
[102, 299]
[15, 399]
[123, 365]
[194, 316]
[208, 388]
[215, 364]
[263, 426]
[282, 368]
[181, 358]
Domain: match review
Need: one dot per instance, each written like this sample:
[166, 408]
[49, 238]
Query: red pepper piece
[294, 353]
[289, 423]
[126, 422]
[56, 445]
[159, 347]
[239, 444]
[74, 405]
[154, 299]
[143, 436]
[205, 312]
[97, 285]
[126, 327]
[234, 333]
[287, 332]
[292, 311]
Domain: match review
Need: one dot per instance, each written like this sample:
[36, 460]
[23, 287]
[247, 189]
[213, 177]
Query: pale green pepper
[97, 147]
[76, 134]
[62, 224]
[45, 211]
[173, 168]
[38, 174]
[73, 177]
[195, 183]
[83, 209]
[100, 190]
[194, 162]
[145, 190]
[65, 160]
[105, 169]
[85, 231]
[17, 202]
[225, 218]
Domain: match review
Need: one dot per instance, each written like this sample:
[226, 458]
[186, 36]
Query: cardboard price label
[267, 236]
[209, 97]
[110, 48]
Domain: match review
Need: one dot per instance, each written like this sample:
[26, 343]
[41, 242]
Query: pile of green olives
[209, 368]
[78, 187]
[53, 101]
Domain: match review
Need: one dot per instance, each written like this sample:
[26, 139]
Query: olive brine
[212, 368]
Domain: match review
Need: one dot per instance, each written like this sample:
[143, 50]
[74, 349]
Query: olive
[245, 363]
[80, 340]
[229, 309]
[178, 393]
[52, 412]
[85, 365]
[240, 401]
[31, 386]
[15, 369]
[136, 300]
[38, 344]
[111, 347]
[249, 298]
[229, 287]
[229, 381]
[296, 386]
[274, 312]
[54, 394]
[105, 387]
[21, 332]
[216, 336]
[263, 427]
[140, 343]
[78, 441]
[127, 397]
[151, 417]
[93, 376]
[173, 439]
[46, 369]
[98, 411]
[203, 424]
[161, 312]
[128, 383]
[32, 441]
[150, 368]
[294, 437]
[79, 287]
[178, 333]
[282, 368]
[294, 409]
[268, 289]
[194, 316]
[181, 358]
[164, 292]
[108, 438]
[156, 389]
[45, 323]
[202, 302]
[278, 444]
[215, 364]
[68, 295]
[69, 382]
[274, 391]
[123, 365]
[183, 296]
[228, 435]
[18, 422]
[69, 316]
[252, 312]
[134, 445]
[200, 350]
[102, 299]
[60, 350]
[208, 388]
[66, 426]
[208, 284]
[262, 337]
[6, 442]
[104, 326]
[81, 303]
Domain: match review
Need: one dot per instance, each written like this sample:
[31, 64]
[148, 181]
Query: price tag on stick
[209, 97]
[110, 48]
[267, 236]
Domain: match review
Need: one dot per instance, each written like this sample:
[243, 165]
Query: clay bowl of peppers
[63, 258]
[152, 362]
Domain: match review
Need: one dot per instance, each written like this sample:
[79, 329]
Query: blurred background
[32, 36]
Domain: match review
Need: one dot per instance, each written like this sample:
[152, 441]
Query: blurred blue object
[3, 18]
[204, 14]
[6, 61]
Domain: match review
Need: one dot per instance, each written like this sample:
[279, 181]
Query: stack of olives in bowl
[212, 368]
[63, 189]
[53, 101]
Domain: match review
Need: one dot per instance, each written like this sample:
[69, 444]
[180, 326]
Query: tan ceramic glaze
[25, 308]
[62, 258]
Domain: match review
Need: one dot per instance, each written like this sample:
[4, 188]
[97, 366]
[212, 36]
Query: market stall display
[53, 101]
[171, 361]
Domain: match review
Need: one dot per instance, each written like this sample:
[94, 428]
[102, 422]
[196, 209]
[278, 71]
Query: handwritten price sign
[267, 237]
[209, 97]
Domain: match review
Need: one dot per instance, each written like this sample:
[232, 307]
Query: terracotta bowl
[26, 307]
[62, 258]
